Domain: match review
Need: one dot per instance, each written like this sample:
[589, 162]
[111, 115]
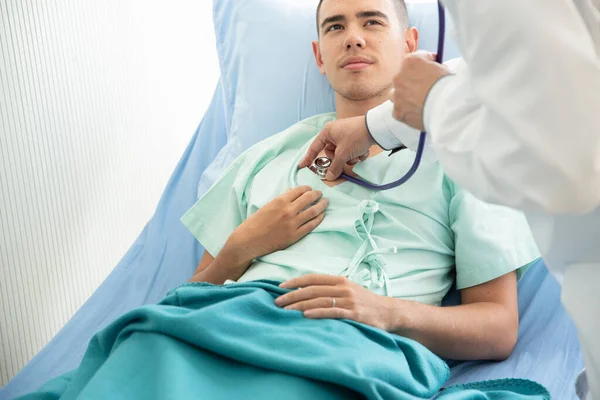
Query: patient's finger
[304, 201]
[313, 280]
[292, 194]
[320, 302]
[312, 212]
[329, 313]
[312, 292]
[310, 226]
[315, 148]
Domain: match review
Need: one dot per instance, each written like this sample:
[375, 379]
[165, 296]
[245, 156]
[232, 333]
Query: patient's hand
[352, 301]
[280, 223]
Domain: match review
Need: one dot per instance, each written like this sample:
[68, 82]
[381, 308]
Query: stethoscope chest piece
[321, 165]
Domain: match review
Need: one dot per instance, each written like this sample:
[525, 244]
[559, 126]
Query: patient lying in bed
[387, 258]
[371, 268]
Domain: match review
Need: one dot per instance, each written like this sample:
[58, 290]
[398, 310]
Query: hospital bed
[165, 254]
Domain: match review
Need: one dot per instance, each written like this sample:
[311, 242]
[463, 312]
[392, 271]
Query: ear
[411, 40]
[318, 56]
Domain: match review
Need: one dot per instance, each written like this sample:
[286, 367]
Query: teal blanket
[232, 342]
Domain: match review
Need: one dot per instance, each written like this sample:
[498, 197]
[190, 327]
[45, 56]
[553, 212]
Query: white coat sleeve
[520, 125]
[389, 133]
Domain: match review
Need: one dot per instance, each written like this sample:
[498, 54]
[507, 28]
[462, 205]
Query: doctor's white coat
[518, 124]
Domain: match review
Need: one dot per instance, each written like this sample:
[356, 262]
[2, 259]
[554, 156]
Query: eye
[373, 22]
[335, 27]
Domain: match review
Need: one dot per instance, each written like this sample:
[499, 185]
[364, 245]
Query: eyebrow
[371, 14]
[332, 19]
[361, 14]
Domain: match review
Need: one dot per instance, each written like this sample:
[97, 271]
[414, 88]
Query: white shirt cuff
[388, 132]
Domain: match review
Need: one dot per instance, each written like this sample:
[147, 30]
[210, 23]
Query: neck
[346, 108]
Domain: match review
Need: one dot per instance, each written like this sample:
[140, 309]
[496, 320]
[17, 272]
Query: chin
[360, 93]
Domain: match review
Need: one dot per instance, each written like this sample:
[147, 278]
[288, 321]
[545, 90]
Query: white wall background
[98, 100]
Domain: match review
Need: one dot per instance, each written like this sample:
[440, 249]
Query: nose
[354, 40]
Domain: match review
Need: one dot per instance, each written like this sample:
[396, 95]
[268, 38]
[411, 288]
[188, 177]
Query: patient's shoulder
[318, 121]
[298, 134]
[292, 138]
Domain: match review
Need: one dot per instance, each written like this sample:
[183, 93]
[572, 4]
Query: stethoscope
[322, 164]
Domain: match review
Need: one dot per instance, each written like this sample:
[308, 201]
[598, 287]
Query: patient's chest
[418, 209]
[412, 219]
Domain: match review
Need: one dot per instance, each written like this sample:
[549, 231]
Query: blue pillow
[268, 72]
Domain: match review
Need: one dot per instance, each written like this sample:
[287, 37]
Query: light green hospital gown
[410, 242]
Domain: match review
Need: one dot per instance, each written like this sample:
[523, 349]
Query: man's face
[362, 45]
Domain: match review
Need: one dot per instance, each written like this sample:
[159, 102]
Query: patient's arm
[205, 261]
[276, 226]
[227, 265]
[484, 327]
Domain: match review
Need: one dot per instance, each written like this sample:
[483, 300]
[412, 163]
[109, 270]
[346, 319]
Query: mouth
[357, 66]
[356, 63]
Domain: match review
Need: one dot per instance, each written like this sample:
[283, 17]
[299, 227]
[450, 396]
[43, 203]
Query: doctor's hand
[418, 74]
[315, 298]
[345, 141]
[279, 223]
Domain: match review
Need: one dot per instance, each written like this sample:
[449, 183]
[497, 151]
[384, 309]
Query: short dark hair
[400, 8]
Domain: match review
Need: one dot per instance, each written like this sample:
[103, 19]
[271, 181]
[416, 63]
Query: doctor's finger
[419, 55]
[337, 164]
[425, 54]
[396, 97]
[315, 148]
[330, 150]
[358, 159]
